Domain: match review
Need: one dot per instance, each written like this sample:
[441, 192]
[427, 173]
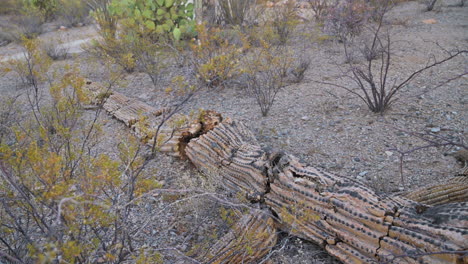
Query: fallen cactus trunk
[349, 220]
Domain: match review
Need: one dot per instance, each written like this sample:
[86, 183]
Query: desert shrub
[6, 38]
[320, 8]
[299, 68]
[283, 22]
[346, 19]
[215, 60]
[106, 21]
[33, 66]
[9, 7]
[117, 51]
[373, 81]
[152, 58]
[235, 12]
[62, 200]
[55, 49]
[73, 12]
[28, 24]
[47, 8]
[267, 68]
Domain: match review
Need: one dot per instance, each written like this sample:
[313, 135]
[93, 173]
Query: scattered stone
[435, 129]
[429, 21]
[363, 173]
[357, 159]
[389, 153]
[305, 118]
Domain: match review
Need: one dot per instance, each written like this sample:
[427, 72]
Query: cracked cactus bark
[349, 220]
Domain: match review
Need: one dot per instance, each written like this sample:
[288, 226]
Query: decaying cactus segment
[454, 190]
[349, 220]
[251, 238]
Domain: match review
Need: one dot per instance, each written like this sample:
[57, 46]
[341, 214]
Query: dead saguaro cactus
[349, 220]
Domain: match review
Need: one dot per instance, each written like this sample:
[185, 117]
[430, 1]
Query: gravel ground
[323, 125]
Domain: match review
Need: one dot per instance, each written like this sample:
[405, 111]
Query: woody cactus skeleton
[349, 220]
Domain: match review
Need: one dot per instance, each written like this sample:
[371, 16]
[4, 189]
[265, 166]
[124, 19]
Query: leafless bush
[267, 70]
[346, 19]
[430, 4]
[320, 8]
[56, 49]
[235, 12]
[6, 38]
[28, 25]
[283, 22]
[300, 67]
[73, 12]
[367, 51]
[432, 141]
[375, 86]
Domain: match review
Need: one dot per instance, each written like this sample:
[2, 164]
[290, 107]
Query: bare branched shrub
[283, 21]
[375, 86]
[346, 19]
[448, 143]
[56, 49]
[320, 8]
[430, 4]
[28, 25]
[73, 12]
[267, 69]
[299, 68]
[235, 12]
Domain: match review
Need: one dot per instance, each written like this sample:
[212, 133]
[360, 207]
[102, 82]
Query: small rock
[62, 28]
[389, 153]
[401, 189]
[357, 159]
[305, 118]
[363, 173]
[429, 21]
[435, 129]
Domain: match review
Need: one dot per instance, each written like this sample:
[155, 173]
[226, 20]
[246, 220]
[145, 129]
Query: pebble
[357, 159]
[435, 129]
[305, 118]
[363, 173]
[389, 153]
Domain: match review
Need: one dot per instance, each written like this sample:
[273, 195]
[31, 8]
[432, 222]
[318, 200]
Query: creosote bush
[32, 68]
[215, 60]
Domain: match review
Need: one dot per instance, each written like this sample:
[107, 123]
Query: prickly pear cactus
[174, 17]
